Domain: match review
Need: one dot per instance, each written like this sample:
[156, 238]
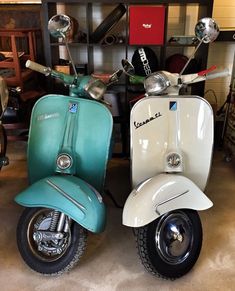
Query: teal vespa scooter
[68, 149]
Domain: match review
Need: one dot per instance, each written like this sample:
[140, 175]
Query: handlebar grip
[37, 67]
[221, 74]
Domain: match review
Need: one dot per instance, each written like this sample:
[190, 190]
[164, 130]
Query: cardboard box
[63, 69]
[146, 25]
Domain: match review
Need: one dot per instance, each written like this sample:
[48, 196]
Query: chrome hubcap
[174, 237]
[46, 249]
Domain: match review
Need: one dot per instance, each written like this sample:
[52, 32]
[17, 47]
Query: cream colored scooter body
[160, 126]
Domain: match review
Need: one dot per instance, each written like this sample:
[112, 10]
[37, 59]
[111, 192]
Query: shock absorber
[54, 220]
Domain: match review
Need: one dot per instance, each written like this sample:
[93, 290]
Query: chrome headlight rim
[174, 160]
[95, 88]
[159, 79]
[64, 161]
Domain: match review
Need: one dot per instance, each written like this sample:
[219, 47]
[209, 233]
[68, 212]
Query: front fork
[59, 228]
[60, 222]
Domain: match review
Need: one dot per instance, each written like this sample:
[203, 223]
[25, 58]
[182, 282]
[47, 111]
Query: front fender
[161, 194]
[70, 195]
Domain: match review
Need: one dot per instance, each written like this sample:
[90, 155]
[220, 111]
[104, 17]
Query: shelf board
[180, 45]
[56, 44]
[70, 43]
[204, 2]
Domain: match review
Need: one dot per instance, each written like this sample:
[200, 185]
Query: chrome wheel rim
[45, 251]
[174, 237]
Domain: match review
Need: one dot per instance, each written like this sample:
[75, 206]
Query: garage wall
[224, 13]
[222, 53]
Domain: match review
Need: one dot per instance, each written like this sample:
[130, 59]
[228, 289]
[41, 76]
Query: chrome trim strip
[170, 199]
[81, 207]
[98, 195]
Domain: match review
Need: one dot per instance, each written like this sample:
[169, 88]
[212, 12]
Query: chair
[16, 75]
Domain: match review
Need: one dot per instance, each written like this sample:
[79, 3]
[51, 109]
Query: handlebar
[66, 78]
[37, 67]
[195, 78]
[221, 74]
[79, 86]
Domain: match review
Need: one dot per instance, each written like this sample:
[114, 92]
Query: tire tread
[78, 254]
[75, 250]
[142, 240]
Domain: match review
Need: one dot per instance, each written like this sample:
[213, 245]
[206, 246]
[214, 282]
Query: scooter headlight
[156, 83]
[95, 88]
[64, 161]
[173, 160]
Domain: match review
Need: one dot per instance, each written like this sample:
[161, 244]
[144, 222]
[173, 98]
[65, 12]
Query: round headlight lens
[64, 161]
[173, 160]
[156, 83]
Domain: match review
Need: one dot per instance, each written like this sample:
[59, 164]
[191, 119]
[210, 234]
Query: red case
[146, 25]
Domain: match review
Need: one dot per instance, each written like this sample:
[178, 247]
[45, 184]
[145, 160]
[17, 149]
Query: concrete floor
[111, 261]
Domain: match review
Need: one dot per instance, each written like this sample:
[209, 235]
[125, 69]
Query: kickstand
[112, 198]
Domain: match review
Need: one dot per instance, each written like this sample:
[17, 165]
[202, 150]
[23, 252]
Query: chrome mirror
[206, 30]
[59, 25]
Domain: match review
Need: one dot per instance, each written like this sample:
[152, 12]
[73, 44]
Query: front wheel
[170, 246]
[49, 241]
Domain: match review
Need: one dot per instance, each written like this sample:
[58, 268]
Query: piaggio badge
[73, 107]
[173, 106]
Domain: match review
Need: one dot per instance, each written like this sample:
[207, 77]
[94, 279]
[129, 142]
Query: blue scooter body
[82, 129]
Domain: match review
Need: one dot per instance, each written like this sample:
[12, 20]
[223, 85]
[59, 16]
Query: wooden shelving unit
[51, 47]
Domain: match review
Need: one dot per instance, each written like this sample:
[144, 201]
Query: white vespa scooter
[171, 152]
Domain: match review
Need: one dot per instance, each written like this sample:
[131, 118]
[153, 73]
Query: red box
[146, 25]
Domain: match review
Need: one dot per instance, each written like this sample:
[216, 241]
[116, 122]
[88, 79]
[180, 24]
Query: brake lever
[115, 77]
[205, 72]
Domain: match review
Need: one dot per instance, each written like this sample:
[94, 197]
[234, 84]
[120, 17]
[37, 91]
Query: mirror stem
[70, 58]
[185, 66]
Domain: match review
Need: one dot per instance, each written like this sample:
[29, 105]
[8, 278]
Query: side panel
[76, 126]
[69, 195]
[160, 125]
[159, 195]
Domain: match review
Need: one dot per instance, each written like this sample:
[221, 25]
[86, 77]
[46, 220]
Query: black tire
[157, 243]
[107, 23]
[54, 264]
[3, 145]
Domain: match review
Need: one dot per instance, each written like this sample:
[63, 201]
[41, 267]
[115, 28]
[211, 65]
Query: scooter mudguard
[161, 194]
[70, 195]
